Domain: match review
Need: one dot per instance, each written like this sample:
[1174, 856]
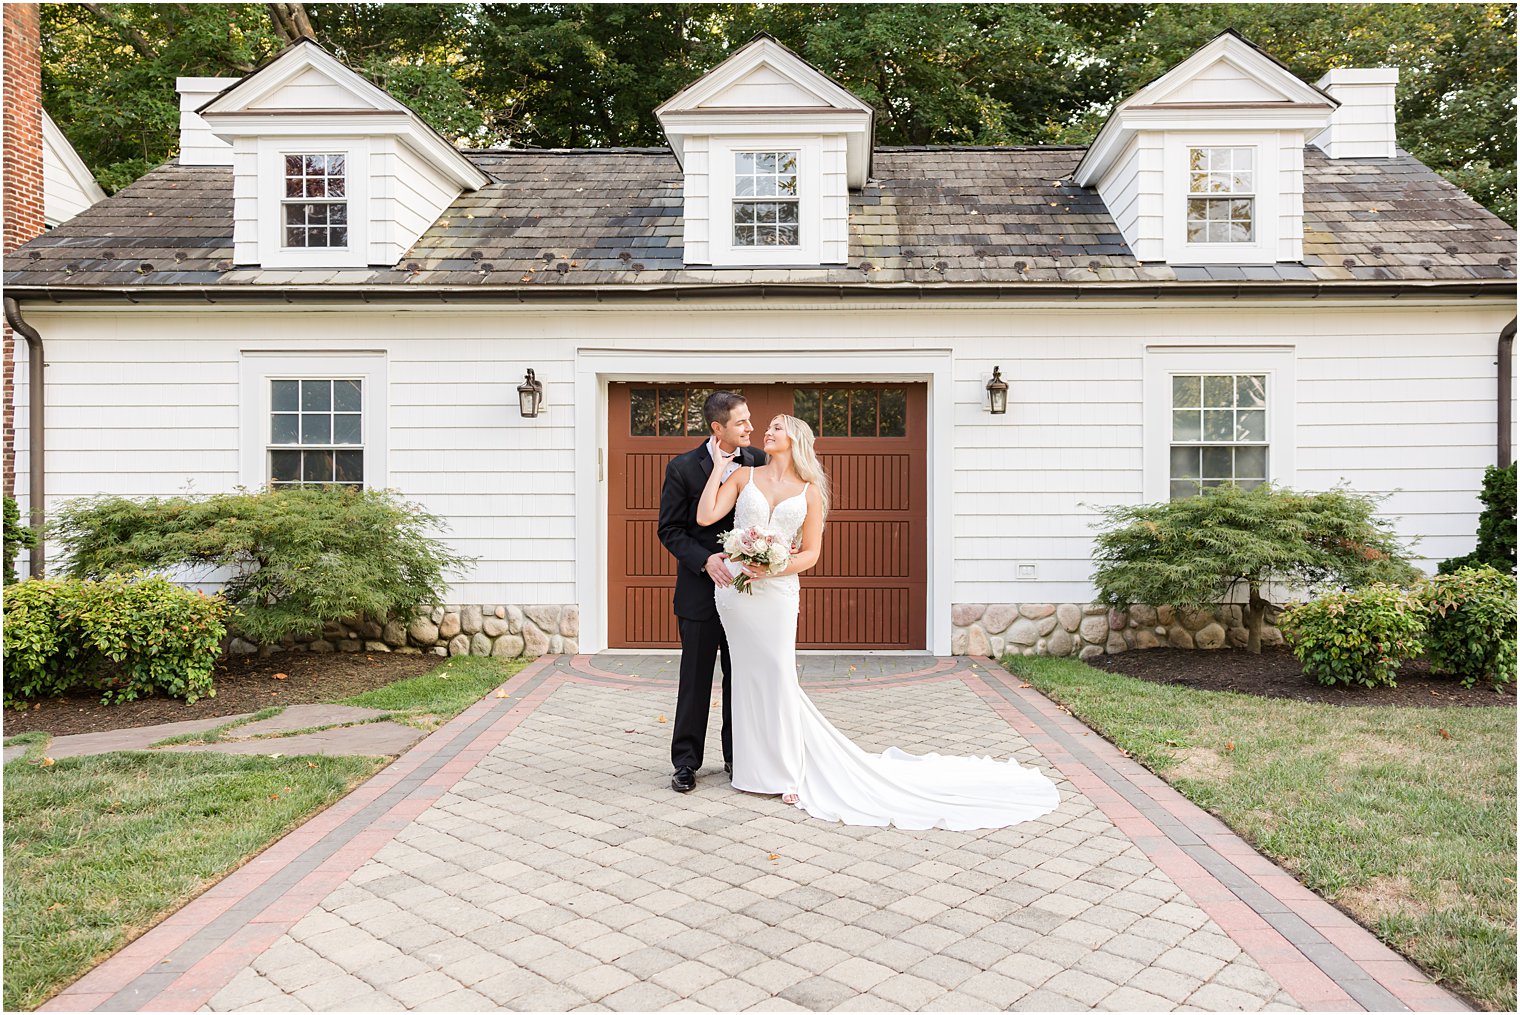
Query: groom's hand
[717, 572]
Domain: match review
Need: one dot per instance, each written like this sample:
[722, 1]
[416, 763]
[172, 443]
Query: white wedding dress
[783, 744]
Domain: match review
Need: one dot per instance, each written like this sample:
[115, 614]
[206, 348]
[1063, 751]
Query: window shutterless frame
[314, 208]
[1221, 195]
[316, 431]
[766, 206]
[313, 424]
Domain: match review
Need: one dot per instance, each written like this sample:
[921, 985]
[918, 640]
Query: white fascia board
[402, 124]
[1226, 119]
[53, 136]
[856, 126]
[1244, 58]
[798, 71]
[263, 82]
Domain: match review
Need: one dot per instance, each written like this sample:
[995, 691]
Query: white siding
[1222, 81]
[834, 205]
[1387, 398]
[763, 87]
[407, 196]
[1133, 192]
[67, 186]
[697, 202]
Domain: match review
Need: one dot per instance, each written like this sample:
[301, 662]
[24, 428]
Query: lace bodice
[753, 509]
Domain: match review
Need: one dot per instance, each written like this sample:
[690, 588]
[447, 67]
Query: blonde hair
[804, 460]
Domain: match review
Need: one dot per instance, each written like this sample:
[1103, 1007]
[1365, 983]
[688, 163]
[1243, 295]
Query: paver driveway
[531, 856]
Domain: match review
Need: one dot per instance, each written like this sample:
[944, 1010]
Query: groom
[700, 567]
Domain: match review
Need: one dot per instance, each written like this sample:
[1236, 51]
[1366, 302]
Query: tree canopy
[589, 75]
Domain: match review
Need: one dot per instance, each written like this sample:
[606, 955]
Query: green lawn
[1405, 817]
[98, 849]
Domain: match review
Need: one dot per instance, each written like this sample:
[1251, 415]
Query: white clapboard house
[1243, 278]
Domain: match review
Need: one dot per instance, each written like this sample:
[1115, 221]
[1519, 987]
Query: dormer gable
[766, 124]
[1204, 165]
[329, 170]
[68, 186]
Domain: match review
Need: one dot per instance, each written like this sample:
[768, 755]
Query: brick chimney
[23, 174]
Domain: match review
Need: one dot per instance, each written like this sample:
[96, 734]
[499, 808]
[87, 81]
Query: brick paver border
[1324, 960]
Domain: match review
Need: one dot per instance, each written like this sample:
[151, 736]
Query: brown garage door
[868, 591]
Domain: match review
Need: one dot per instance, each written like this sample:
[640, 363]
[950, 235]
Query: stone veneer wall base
[493, 630]
[1085, 630]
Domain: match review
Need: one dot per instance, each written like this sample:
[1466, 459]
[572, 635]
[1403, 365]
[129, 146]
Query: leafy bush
[1470, 624]
[1358, 637]
[1496, 525]
[126, 636]
[302, 556]
[1196, 552]
[17, 537]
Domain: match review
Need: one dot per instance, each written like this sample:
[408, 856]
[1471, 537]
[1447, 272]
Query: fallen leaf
[661, 719]
[713, 703]
[275, 755]
[311, 764]
[281, 676]
[1445, 735]
[1173, 743]
[1229, 745]
[55, 907]
[47, 762]
[1026, 685]
[274, 796]
[502, 694]
[774, 856]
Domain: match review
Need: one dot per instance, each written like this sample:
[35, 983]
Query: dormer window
[316, 201]
[1221, 202]
[766, 199]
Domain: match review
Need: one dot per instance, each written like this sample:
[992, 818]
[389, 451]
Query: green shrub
[17, 537]
[301, 556]
[1358, 637]
[1470, 624]
[126, 636]
[1496, 525]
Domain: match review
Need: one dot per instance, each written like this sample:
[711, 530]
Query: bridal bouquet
[759, 547]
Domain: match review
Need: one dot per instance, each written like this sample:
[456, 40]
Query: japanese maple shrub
[290, 559]
[1470, 621]
[125, 636]
[1355, 638]
[1196, 552]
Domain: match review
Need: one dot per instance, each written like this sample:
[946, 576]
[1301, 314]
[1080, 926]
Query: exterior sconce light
[530, 395]
[997, 392]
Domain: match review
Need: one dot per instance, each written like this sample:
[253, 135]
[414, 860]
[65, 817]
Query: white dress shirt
[731, 465]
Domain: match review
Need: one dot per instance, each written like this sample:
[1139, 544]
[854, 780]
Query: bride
[782, 743]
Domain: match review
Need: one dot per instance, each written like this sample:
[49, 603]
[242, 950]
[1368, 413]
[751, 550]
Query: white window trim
[809, 250]
[271, 203]
[1278, 363]
[1267, 197]
[257, 367]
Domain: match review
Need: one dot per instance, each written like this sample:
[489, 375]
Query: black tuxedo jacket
[691, 544]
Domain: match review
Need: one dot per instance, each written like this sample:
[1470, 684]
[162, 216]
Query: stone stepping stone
[135, 739]
[302, 717]
[376, 738]
[14, 752]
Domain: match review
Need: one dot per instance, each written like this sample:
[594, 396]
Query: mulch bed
[1275, 673]
[243, 684]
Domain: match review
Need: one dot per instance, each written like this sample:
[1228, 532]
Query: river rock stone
[1045, 625]
[1209, 636]
[1070, 615]
[1094, 629]
[959, 639]
[1115, 643]
[470, 620]
[1118, 620]
[394, 633]
[1059, 643]
[998, 645]
[965, 614]
[450, 626]
[1090, 651]
[437, 615]
[535, 642]
[572, 647]
[1271, 636]
[1178, 637]
[423, 632]
[514, 620]
[1037, 611]
[321, 645]
[1095, 610]
[1146, 638]
[480, 645]
[999, 616]
[1238, 637]
[1142, 615]
[1165, 615]
[494, 627]
[439, 650]
[556, 644]
[1197, 620]
[977, 643]
[1023, 632]
[508, 646]
[459, 645]
[545, 618]
[242, 647]
[376, 646]
[570, 622]
[409, 650]
[349, 645]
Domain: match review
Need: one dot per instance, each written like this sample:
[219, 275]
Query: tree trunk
[1256, 615]
[291, 23]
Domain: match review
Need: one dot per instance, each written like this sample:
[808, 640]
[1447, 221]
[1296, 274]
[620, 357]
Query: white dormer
[68, 186]
[770, 149]
[1205, 165]
[329, 170]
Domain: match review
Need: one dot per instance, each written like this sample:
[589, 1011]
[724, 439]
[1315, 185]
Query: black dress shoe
[728, 768]
[684, 781]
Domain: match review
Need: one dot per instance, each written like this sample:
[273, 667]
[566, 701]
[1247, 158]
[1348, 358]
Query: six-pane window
[1221, 203]
[316, 432]
[316, 205]
[765, 199]
[1219, 431]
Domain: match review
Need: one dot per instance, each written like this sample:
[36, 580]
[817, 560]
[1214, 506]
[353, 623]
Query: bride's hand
[755, 572]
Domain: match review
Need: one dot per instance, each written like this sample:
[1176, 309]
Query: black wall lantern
[997, 392]
[530, 396]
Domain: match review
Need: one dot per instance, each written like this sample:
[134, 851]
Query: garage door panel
[643, 478]
[869, 481]
[863, 549]
[644, 555]
[853, 618]
[649, 617]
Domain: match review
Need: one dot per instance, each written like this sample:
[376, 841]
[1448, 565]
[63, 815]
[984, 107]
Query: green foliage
[1470, 620]
[126, 636]
[1496, 525]
[1195, 552]
[564, 74]
[1360, 637]
[300, 556]
[17, 537]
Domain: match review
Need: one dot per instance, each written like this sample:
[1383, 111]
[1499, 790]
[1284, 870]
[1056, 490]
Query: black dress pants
[702, 644]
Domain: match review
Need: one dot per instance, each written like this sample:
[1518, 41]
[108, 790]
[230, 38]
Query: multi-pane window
[1221, 203]
[316, 201]
[853, 412]
[765, 199]
[670, 412]
[1219, 431]
[316, 432]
